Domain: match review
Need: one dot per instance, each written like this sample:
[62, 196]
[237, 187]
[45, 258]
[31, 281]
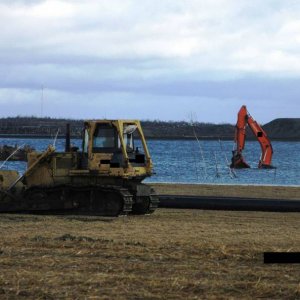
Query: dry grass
[173, 254]
[226, 190]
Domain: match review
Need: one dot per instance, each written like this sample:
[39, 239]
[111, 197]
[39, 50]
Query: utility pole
[42, 102]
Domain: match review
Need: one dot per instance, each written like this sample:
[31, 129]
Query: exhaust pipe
[68, 139]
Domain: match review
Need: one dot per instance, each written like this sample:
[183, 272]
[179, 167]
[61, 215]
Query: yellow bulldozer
[104, 178]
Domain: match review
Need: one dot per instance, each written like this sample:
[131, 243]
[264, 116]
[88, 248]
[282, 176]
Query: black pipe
[229, 203]
[68, 139]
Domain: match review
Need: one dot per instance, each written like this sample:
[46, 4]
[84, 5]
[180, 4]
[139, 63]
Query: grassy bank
[173, 254]
[227, 190]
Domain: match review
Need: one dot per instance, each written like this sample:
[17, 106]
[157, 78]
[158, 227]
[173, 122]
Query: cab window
[128, 136]
[104, 138]
[86, 141]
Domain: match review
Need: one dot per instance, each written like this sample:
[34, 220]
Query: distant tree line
[288, 129]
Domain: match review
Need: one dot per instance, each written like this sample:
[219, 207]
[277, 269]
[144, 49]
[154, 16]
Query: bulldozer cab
[110, 147]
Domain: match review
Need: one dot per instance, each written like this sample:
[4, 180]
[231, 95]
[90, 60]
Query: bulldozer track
[94, 200]
[127, 208]
[154, 202]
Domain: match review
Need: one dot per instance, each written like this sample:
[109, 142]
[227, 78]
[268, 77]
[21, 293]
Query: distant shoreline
[164, 138]
[287, 129]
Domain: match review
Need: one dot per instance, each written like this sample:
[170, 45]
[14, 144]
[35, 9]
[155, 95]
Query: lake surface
[203, 162]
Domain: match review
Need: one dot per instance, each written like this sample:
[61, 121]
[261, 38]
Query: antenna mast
[42, 102]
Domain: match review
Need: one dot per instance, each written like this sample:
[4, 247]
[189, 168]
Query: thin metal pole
[201, 151]
[2, 165]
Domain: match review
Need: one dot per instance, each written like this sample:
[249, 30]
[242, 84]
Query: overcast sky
[150, 59]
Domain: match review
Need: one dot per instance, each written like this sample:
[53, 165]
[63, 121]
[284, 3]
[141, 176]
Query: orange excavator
[238, 161]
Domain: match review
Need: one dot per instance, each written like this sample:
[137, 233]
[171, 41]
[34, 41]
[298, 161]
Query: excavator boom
[244, 120]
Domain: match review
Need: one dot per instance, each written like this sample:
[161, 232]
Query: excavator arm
[265, 143]
[244, 120]
[237, 160]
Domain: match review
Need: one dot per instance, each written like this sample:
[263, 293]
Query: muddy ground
[172, 254]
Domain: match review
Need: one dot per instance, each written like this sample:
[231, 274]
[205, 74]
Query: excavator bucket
[238, 162]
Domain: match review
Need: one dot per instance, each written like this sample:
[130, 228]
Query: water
[181, 161]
